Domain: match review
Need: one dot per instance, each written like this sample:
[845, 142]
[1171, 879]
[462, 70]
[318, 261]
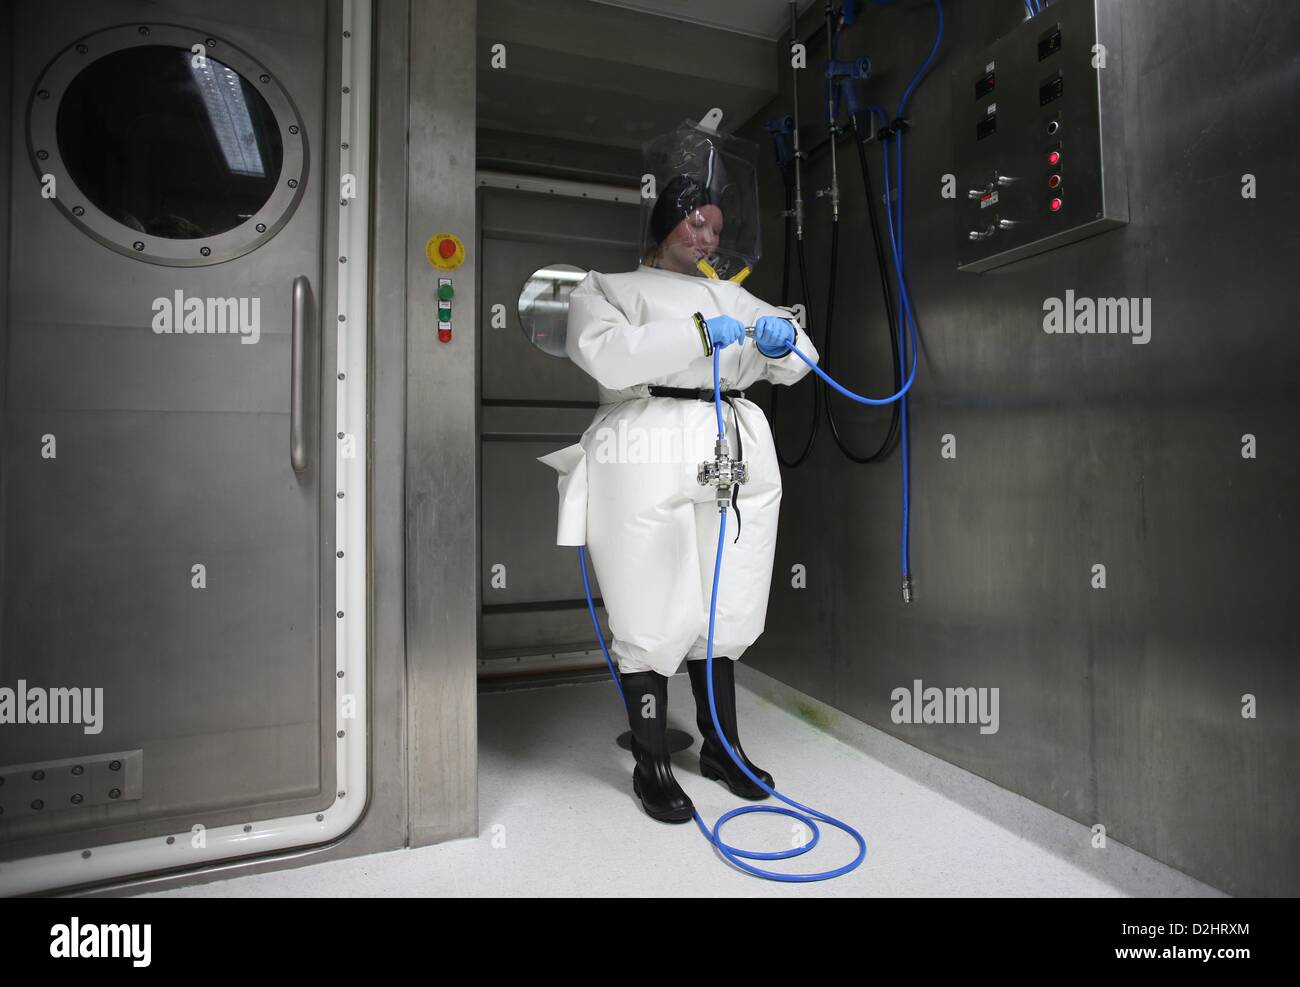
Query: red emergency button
[445, 251]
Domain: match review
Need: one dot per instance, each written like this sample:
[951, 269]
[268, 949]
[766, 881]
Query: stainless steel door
[535, 617]
[168, 505]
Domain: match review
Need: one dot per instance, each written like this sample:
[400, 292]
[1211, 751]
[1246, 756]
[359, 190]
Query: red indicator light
[1054, 158]
[1054, 181]
[1056, 205]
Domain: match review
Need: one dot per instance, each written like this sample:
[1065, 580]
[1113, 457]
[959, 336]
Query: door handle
[302, 313]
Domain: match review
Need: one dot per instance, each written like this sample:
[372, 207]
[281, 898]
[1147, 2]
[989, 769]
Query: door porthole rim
[72, 202]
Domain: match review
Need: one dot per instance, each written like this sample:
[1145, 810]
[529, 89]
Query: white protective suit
[650, 527]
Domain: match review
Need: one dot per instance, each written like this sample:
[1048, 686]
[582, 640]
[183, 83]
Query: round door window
[167, 144]
[166, 147]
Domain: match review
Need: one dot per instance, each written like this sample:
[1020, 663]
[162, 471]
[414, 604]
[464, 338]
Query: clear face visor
[699, 204]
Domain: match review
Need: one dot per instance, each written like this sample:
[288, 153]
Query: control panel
[446, 252]
[1038, 136]
[446, 292]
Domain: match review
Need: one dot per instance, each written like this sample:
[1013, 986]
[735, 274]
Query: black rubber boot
[652, 778]
[715, 762]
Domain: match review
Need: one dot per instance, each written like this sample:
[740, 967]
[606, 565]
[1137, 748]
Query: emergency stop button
[445, 251]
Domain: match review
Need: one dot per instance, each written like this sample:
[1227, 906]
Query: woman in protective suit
[647, 337]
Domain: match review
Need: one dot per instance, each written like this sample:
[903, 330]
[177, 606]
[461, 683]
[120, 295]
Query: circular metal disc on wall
[544, 306]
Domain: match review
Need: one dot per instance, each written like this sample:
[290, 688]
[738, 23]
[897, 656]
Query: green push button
[444, 315]
[445, 292]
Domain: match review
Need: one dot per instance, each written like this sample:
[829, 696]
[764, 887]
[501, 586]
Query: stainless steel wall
[1120, 707]
[441, 434]
[6, 81]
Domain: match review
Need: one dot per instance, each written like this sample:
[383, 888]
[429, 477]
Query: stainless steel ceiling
[615, 74]
[767, 19]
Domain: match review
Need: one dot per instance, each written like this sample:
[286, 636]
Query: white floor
[558, 818]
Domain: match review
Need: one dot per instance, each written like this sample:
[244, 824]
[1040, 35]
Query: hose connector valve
[723, 472]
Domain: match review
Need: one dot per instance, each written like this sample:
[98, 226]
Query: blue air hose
[905, 315]
[732, 853]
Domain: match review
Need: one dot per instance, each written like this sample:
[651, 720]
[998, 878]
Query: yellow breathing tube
[707, 270]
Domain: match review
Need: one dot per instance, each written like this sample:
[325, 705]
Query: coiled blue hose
[806, 816]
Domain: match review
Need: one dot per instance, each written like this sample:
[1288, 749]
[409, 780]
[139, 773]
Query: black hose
[890, 441]
[817, 383]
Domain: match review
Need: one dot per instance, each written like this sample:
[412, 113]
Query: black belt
[706, 394]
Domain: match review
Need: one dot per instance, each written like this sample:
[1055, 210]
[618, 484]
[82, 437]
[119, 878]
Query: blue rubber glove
[724, 330]
[774, 336]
